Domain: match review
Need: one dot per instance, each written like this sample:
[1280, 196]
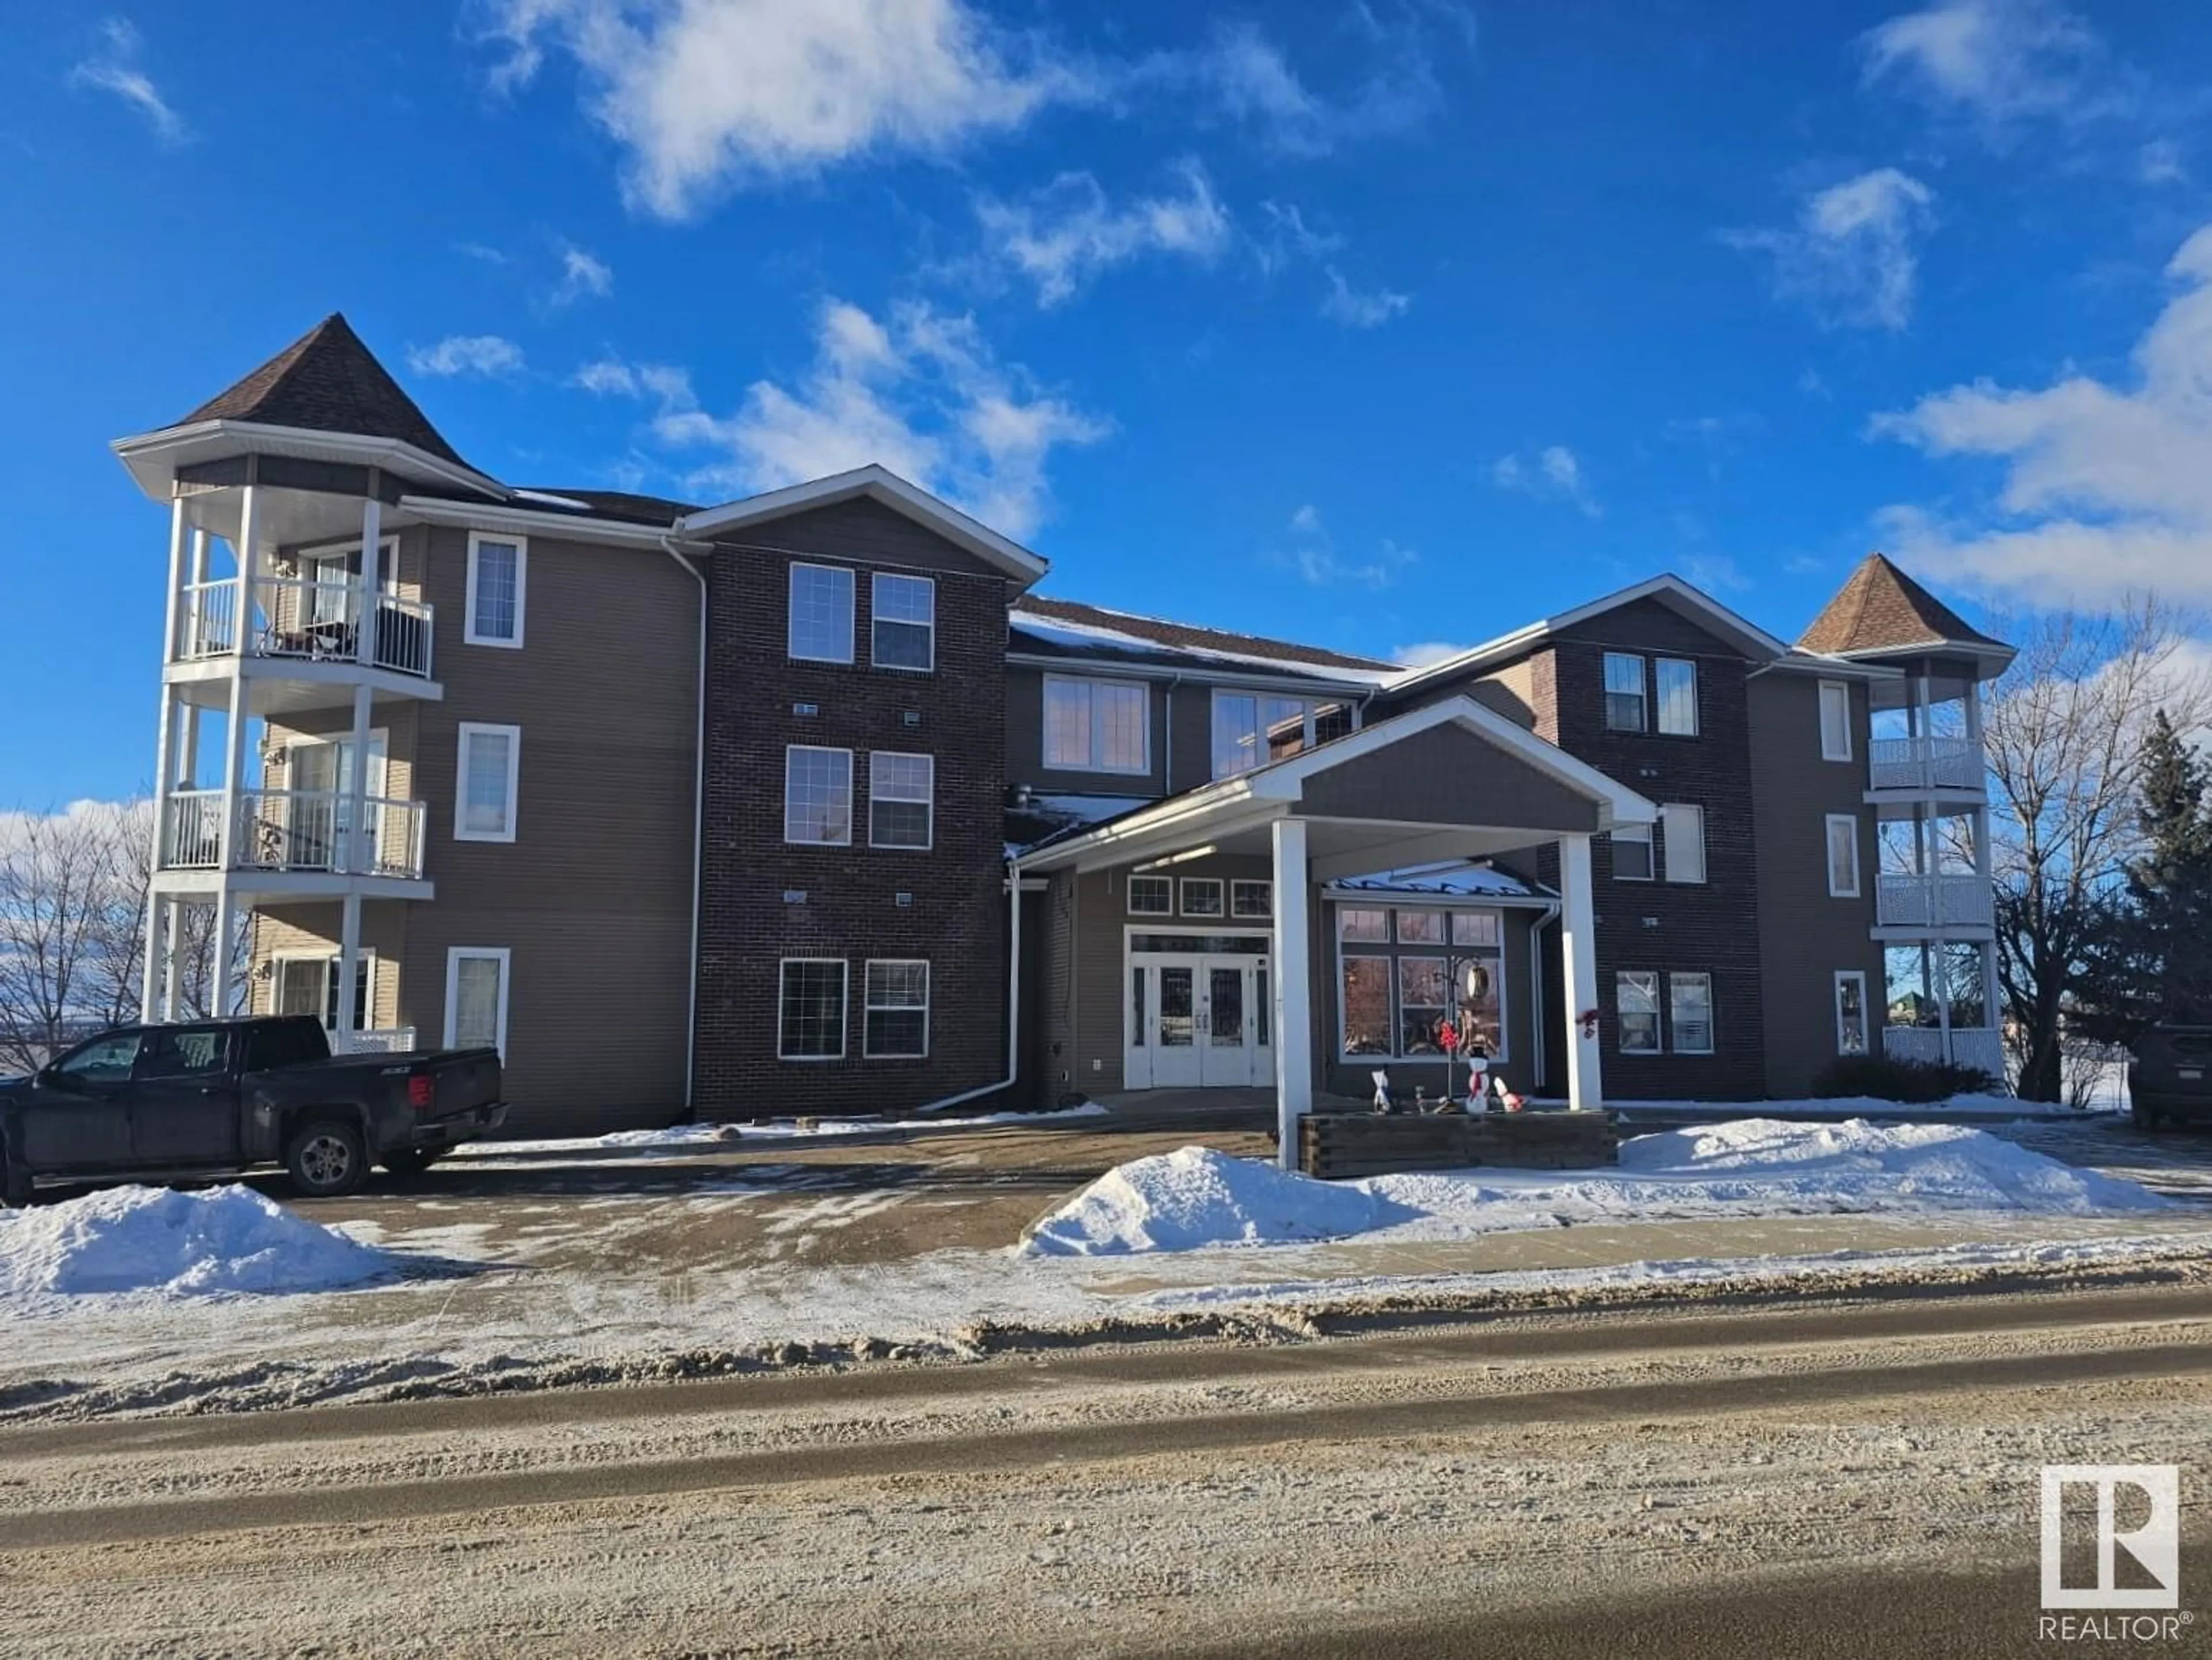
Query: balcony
[294, 832]
[1933, 902]
[1926, 763]
[1978, 1046]
[304, 620]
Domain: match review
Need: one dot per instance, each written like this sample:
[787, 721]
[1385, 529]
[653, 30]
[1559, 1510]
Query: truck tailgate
[463, 1081]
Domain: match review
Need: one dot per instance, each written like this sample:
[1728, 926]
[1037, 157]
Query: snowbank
[680, 1138]
[2004, 1108]
[180, 1245]
[1752, 1168]
[1196, 1197]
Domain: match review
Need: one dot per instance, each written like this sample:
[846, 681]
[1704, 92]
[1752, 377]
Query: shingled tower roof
[1882, 608]
[327, 382]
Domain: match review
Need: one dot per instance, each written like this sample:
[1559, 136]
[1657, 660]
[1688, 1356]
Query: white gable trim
[879, 483]
[152, 457]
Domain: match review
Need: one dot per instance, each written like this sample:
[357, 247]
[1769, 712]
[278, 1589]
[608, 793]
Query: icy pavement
[681, 1140]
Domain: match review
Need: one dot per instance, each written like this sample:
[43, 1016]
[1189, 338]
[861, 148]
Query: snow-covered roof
[1042, 818]
[1131, 636]
[1456, 880]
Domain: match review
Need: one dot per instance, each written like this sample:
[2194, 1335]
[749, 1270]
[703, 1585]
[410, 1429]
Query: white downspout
[698, 823]
[1013, 1002]
[1539, 1072]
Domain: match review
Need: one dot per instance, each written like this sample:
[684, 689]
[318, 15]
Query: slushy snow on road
[218, 1240]
[1196, 1197]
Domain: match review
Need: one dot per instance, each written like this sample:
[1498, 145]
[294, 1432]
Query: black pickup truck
[222, 1097]
[2170, 1075]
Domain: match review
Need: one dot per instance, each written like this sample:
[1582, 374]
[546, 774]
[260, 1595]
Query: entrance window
[1201, 896]
[1420, 1005]
[1420, 928]
[1367, 1005]
[1152, 895]
[1136, 1006]
[1354, 923]
[1254, 901]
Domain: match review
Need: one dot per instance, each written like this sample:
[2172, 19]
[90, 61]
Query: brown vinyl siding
[1448, 775]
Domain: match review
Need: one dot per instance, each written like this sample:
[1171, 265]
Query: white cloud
[1553, 474]
[582, 276]
[1854, 257]
[1287, 236]
[919, 391]
[1360, 309]
[466, 354]
[1994, 63]
[1313, 554]
[1065, 235]
[115, 68]
[703, 95]
[1420, 655]
[608, 377]
[2106, 490]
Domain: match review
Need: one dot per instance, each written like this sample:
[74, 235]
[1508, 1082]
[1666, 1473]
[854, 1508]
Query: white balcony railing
[1966, 1046]
[298, 830]
[389, 1040]
[1933, 902]
[1920, 763]
[305, 619]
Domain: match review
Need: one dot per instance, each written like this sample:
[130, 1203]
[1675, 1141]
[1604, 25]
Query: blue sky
[1379, 325]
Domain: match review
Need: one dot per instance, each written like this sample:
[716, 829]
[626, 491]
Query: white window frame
[790, 598]
[868, 1007]
[464, 734]
[845, 840]
[1842, 691]
[1096, 751]
[1643, 690]
[1638, 836]
[1712, 1014]
[1866, 1015]
[364, 982]
[844, 1008]
[1659, 696]
[470, 636]
[1672, 815]
[876, 580]
[1383, 911]
[1657, 1012]
[1241, 883]
[1851, 823]
[1148, 876]
[876, 794]
[1218, 914]
[1344, 961]
[454, 955]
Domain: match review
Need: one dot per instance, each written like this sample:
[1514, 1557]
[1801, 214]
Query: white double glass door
[1197, 1020]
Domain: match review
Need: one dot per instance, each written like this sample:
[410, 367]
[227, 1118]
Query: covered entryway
[1451, 780]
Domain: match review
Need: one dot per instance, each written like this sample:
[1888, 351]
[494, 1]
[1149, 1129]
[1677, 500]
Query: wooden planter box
[1337, 1145]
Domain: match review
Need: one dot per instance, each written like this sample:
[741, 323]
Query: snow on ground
[2004, 1107]
[227, 1239]
[1197, 1197]
[680, 1139]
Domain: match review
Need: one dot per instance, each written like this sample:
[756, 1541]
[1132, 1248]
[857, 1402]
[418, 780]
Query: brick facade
[956, 913]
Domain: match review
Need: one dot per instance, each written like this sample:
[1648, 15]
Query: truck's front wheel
[327, 1158]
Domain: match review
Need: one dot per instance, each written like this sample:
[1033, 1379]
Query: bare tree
[2063, 731]
[72, 924]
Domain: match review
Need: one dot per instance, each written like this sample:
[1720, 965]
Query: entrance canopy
[1451, 780]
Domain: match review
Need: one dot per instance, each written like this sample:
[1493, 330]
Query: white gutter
[1235, 675]
[698, 823]
[436, 510]
[1536, 1073]
[1013, 1002]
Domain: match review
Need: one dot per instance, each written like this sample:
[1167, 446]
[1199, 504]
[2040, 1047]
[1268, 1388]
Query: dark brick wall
[957, 918]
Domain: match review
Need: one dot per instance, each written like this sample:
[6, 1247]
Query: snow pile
[1753, 1168]
[181, 1244]
[684, 1138]
[1196, 1197]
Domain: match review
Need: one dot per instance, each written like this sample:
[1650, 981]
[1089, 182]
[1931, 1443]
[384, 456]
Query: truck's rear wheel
[15, 1183]
[412, 1161]
[327, 1158]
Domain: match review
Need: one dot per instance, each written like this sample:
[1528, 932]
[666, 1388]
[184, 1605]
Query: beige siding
[314, 931]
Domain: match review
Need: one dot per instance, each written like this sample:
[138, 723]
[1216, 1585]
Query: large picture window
[1251, 729]
[1403, 972]
[1367, 1007]
[1097, 726]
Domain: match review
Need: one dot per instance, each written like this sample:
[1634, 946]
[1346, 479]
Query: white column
[248, 545]
[1293, 993]
[1578, 964]
[348, 970]
[172, 929]
[164, 770]
[226, 924]
[372, 537]
[355, 786]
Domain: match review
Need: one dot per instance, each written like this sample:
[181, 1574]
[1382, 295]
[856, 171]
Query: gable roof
[327, 382]
[1881, 609]
[1669, 590]
[879, 484]
[1069, 626]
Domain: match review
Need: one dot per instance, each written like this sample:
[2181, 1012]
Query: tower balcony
[1934, 904]
[1950, 766]
[304, 642]
[302, 843]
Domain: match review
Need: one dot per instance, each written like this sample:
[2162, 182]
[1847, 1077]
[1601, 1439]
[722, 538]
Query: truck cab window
[104, 1059]
[185, 1053]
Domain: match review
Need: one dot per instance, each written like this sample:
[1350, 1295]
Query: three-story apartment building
[807, 802]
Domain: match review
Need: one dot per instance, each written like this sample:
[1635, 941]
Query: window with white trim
[1152, 895]
[903, 621]
[1678, 696]
[895, 1009]
[1624, 692]
[819, 623]
[1420, 928]
[499, 569]
[1635, 1011]
[1251, 729]
[902, 794]
[818, 796]
[489, 778]
[309, 985]
[1632, 853]
[1843, 856]
[1201, 896]
[1363, 1006]
[1253, 900]
[810, 1014]
[1683, 830]
[1359, 923]
[1097, 726]
[1850, 1012]
[1835, 721]
[476, 997]
[1422, 990]
[1690, 1012]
